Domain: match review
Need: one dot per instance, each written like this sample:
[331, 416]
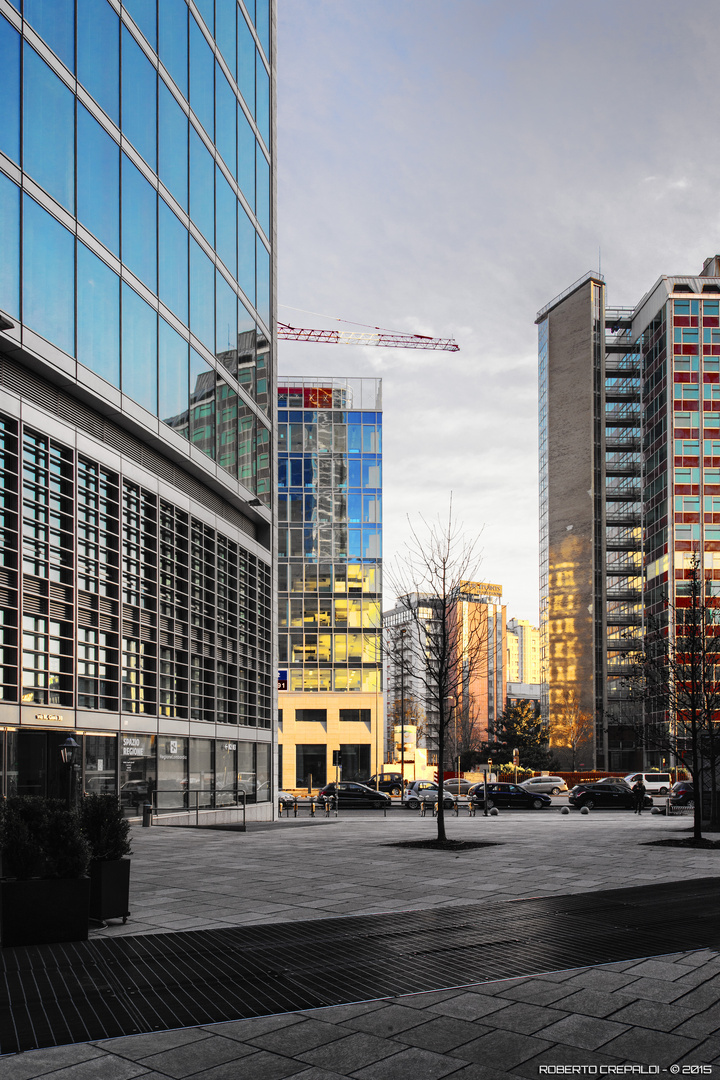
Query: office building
[476, 661]
[627, 484]
[329, 579]
[137, 398]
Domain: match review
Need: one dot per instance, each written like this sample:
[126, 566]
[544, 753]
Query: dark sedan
[509, 796]
[350, 795]
[605, 797]
[682, 793]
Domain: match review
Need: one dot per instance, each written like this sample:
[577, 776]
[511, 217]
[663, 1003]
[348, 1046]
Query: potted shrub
[106, 830]
[44, 888]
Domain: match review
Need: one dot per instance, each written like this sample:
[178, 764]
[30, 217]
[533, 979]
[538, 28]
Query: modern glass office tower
[329, 578]
[136, 396]
[628, 472]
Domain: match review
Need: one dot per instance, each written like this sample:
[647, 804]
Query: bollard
[295, 808]
[422, 808]
[471, 809]
[327, 808]
[457, 809]
[435, 809]
[312, 807]
[147, 815]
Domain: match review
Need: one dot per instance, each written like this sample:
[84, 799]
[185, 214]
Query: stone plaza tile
[136, 1047]
[387, 1021]
[186, 1060]
[653, 1014]
[701, 1024]
[351, 1052]
[645, 1046]
[562, 1054]
[601, 979]
[470, 1006]
[300, 1037]
[412, 1064]
[36, 1063]
[316, 1074]
[442, 1034]
[588, 1032]
[338, 1014]
[659, 969]
[425, 1000]
[596, 1002]
[701, 997]
[524, 1017]
[537, 991]
[658, 989]
[243, 1030]
[114, 1068]
[502, 1049]
[703, 1053]
[259, 1066]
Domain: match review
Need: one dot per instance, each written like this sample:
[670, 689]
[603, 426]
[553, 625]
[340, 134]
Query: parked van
[657, 783]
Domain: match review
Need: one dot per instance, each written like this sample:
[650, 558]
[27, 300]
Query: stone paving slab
[649, 1011]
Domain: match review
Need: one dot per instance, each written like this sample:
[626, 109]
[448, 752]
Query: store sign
[131, 747]
[46, 717]
[282, 680]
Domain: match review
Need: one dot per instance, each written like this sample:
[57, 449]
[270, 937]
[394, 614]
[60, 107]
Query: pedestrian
[639, 793]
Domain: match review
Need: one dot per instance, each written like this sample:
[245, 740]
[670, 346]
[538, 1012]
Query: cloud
[448, 169]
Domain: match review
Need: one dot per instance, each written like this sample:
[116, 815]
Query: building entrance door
[34, 763]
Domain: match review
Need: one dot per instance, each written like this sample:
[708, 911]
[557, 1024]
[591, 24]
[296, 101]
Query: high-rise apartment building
[476, 662]
[629, 414]
[329, 578]
[523, 643]
[137, 398]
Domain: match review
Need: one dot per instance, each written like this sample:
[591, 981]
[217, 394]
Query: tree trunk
[441, 777]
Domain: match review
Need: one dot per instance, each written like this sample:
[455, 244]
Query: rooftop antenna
[599, 262]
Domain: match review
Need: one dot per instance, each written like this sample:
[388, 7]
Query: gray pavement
[662, 1011]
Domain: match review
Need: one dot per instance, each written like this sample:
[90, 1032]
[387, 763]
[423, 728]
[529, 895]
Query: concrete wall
[570, 500]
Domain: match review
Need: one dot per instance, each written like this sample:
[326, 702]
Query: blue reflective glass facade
[137, 283]
[330, 534]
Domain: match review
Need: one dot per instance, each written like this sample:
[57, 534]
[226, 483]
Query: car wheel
[413, 804]
[555, 791]
[537, 804]
[490, 804]
[396, 791]
[589, 803]
[663, 791]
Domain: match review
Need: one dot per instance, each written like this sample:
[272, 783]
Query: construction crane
[375, 336]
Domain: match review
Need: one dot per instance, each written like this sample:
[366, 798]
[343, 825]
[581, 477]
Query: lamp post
[68, 753]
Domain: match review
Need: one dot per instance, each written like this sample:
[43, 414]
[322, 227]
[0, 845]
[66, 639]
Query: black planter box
[110, 889]
[42, 911]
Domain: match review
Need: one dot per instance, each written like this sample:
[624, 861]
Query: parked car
[656, 783]
[509, 796]
[682, 793]
[389, 782]
[605, 796]
[356, 795]
[425, 791]
[547, 785]
[456, 785]
[134, 793]
[285, 799]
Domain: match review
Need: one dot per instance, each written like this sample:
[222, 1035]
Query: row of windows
[115, 333]
[124, 81]
[123, 600]
[326, 578]
[340, 438]
[330, 542]
[320, 680]
[330, 648]
[308, 611]
[329, 507]
[336, 471]
[46, 267]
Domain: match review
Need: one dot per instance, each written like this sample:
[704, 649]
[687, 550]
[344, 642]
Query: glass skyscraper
[329, 577]
[137, 376]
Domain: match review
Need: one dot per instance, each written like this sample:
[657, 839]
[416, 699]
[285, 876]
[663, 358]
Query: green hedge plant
[105, 828]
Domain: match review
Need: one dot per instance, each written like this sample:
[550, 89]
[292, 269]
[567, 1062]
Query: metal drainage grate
[99, 989]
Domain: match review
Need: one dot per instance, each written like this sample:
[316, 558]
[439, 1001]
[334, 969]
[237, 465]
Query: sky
[447, 167]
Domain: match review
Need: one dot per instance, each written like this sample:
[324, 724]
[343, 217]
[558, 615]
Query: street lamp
[68, 753]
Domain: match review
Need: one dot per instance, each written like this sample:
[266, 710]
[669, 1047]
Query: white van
[657, 783]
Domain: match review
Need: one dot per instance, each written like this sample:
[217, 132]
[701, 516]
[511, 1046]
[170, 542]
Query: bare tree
[674, 686]
[430, 582]
[573, 728]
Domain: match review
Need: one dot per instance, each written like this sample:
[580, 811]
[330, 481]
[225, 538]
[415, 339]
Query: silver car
[425, 791]
[546, 785]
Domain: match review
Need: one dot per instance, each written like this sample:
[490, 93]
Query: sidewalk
[653, 1012]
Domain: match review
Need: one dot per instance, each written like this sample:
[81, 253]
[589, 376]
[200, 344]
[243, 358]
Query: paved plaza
[660, 1011]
